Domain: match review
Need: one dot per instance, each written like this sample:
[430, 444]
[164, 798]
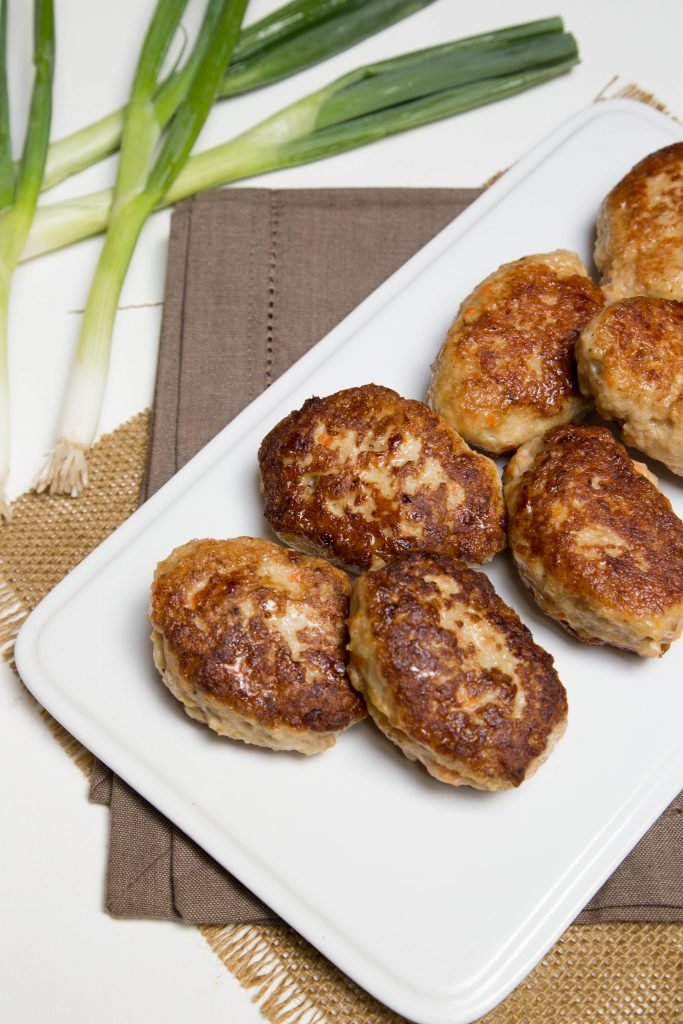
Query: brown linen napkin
[254, 278]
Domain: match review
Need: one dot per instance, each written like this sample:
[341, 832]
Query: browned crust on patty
[639, 245]
[454, 672]
[595, 540]
[507, 371]
[630, 360]
[259, 630]
[364, 475]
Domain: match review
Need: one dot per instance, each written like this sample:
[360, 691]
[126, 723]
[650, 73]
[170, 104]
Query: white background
[59, 953]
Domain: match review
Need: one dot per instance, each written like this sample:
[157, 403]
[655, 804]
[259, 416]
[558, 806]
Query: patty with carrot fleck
[364, 475]
[506, 372]
[251, 638]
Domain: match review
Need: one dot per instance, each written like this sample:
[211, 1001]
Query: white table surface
[59, 953]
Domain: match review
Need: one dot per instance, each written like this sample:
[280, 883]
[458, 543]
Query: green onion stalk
[365, 105]
[153, 150]
[294, 37]
[20, 188]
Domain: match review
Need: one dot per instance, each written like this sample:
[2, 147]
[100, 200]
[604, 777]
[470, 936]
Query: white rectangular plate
[436, 900]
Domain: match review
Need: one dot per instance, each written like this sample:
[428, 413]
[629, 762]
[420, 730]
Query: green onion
[152, 155]
[20, 187]
[294, 37]
[365, 105]
[357, 20]
[286, 22]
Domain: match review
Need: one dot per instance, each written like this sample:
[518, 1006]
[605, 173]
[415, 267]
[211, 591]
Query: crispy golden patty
[639, 245]
[451, 675]
[251, 638]
[364, 475]
[506, 371]
[630, 360]
[596, 542]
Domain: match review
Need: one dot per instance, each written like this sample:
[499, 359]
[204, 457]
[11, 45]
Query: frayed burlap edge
[614, 90]
[620, 973]
[12, 616]
[47, 536]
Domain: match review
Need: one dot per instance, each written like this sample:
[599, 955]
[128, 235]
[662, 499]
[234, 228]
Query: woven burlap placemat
[605, 972]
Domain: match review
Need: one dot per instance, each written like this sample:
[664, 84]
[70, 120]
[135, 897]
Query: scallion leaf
[382, 86]
[315, 42]
[7, 172]
[20, 188]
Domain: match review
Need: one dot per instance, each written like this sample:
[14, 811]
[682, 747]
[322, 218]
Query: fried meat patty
[639, 245]
[251, 637]
[451, 675]
[506, 371]
[595, 540]
[364, 475]
[630, 360]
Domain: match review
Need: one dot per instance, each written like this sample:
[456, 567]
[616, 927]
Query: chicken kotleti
[595, 540]
[364, 475]
[251, 638]
[451, 675]
[639, 244]
[506, 371]
[630, 360]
